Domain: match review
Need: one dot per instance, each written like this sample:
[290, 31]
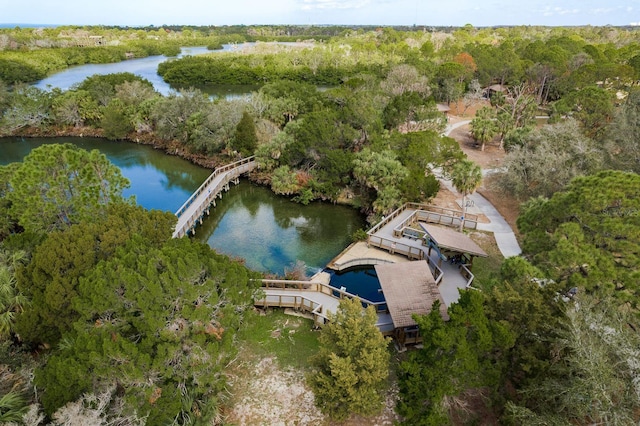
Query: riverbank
[170, 147]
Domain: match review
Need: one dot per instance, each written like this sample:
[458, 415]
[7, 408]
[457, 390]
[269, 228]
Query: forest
[105, 318]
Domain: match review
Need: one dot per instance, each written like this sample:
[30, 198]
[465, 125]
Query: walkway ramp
[317, 298]
[192, 211]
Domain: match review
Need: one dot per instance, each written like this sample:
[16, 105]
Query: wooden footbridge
[193, 210]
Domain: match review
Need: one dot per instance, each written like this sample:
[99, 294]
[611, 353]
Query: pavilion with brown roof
[409, 288]
[451, 244]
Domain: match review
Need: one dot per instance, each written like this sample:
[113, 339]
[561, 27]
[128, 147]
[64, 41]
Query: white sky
[337, 12]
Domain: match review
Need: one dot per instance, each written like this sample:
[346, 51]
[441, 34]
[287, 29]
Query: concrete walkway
[451, 127]
[505, 238]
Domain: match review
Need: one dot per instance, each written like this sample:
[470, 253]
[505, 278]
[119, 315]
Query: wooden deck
[394, 237]
[391, 241]
[316, 298]
[192, 211]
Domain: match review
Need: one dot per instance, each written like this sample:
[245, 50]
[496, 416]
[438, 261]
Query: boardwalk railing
[434, 214]
[425, 213]
[297, 299]
[296, 302]
[212, 176]
[212, 186]
[362, 261]
[395, 214]
[411, 252]
[466, 272]
[320, 288]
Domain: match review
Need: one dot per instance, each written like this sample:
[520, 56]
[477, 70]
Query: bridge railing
[218, 171]
[190, 222]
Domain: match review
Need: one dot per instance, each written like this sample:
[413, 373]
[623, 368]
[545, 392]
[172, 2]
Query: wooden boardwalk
[192, 211]
[393, 238]
[316, 298]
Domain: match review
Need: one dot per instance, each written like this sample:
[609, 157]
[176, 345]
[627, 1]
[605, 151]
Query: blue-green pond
[268, 231]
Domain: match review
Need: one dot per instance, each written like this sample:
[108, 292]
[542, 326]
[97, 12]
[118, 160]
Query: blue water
[158, 181]
[146, 68]
[142, 67]
[361, 281]
[271, 233]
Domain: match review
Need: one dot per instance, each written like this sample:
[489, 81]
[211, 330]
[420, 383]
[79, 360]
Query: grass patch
[289, 339]
[486, 269]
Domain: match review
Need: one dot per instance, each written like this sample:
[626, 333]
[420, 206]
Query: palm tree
[11, 300]
[466, 177]
[12, 407]
[484, 126]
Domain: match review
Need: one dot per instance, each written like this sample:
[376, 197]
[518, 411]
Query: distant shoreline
[23, 25]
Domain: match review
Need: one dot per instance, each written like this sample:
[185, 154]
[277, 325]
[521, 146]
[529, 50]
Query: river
[270, 232]
[146, 68]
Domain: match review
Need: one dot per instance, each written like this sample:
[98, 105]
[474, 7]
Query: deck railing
[295, 302]
[362, 261]
[411, 252]
[394, 214]
[466, 273]
[386, 220]
[434, 214]
[319, 312]
[337, 293]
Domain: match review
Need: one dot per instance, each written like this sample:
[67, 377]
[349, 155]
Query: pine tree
[245, 139]
[352, 364]
[463, 353]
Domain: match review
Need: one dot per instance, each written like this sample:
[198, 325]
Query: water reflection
[271, 233]
[143, 67]
[146, 68]
[158, 181]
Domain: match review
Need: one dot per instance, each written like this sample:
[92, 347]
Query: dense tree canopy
[587, 235]
[543, 161]
[59, 185]
[353, 363]
[623, 140]
[593, 375]
[50, 281]
[157, 321]
[245, 139]
[464, 352]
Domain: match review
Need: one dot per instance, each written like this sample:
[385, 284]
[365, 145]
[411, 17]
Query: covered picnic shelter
[451, 245]
[409, 288]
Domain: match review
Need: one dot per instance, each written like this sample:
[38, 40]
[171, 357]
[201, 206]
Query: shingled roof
[446, 238]
[409, 288]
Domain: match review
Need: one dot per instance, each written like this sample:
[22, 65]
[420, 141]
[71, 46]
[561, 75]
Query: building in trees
[409, 289]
